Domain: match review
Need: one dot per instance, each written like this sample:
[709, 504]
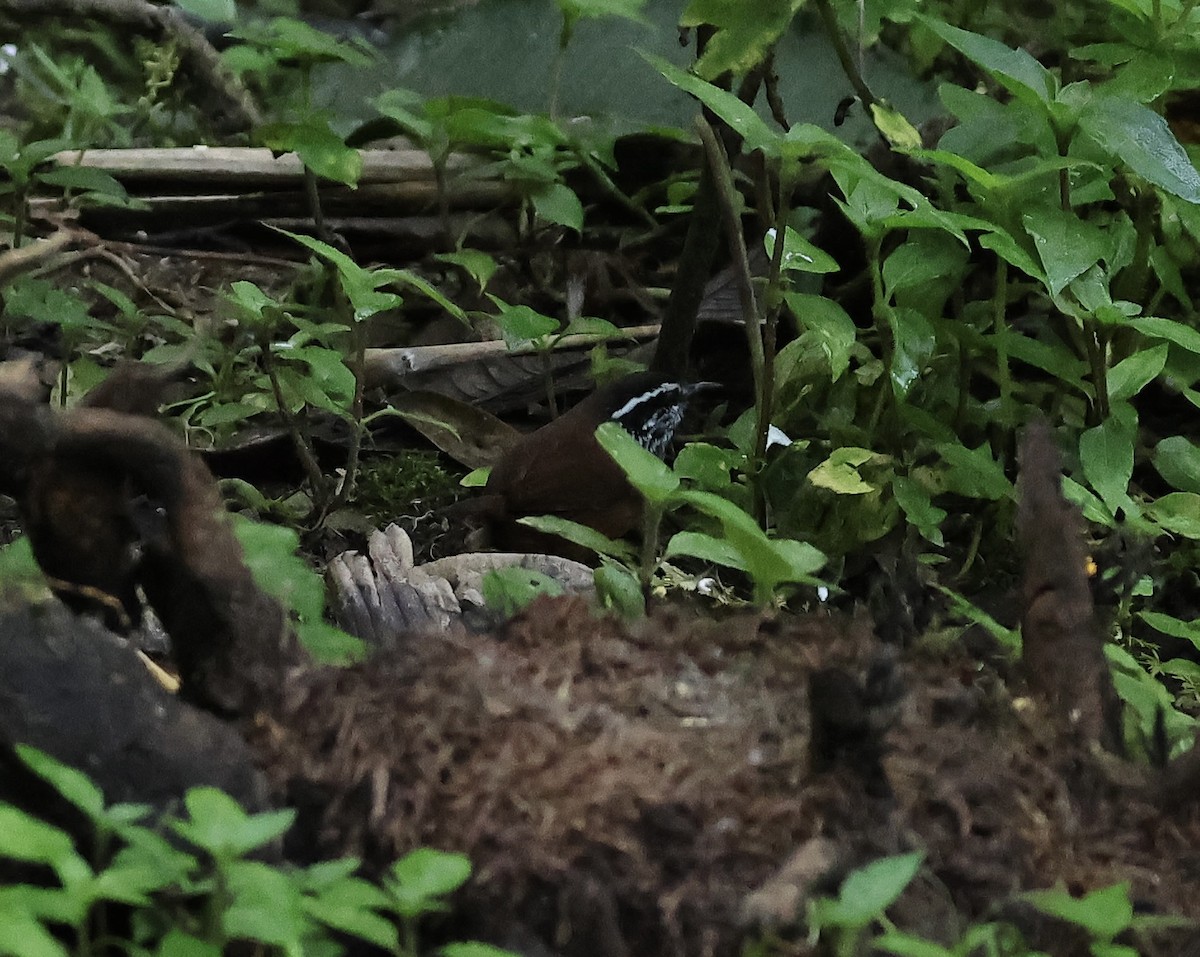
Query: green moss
[413, 482]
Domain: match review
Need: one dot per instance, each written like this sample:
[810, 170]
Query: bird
[560, 469]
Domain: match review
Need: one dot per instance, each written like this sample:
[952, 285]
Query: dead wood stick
[386, 366]
[247, 164]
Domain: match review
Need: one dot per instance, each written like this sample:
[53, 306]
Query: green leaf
[769, 562]
[557, 203]
[742, 119]
[176, 943]
[595, 9]
[330, 645]
[1106, 456]
[914, 341]
[479, 265]
[744, 33]
[1178, 461]
[1141, 139]
[646, 472]
[320, 149]
[905, 945]
[214, 11]
[216, 823]
[918, 508]
[1066, 244]
[974, 473]
[618, 589]
[1177, 512]
[839, 473]
[895, 127]
[265, 906]
[718, 551]
[508, 590]
[1103, 913]
[799, 255]
[73, 785]
[473, 948]
[1019, 72]
[521, 325]
[870, 890]
[271, 555]
[832, 325]
[579, 534]
[1168, 625]
[25, 838]
[1181, 335]
[421, 877]
[1132, 374]
[707, 465]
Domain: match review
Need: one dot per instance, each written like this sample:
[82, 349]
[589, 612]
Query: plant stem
[297, 430]
[727, 203]
[651, 522]
[358, 365]
[1000, 329]
[849, 67]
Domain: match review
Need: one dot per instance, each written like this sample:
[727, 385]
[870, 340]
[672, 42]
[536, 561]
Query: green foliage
[270, 552]
[205, 891]
[508, 590]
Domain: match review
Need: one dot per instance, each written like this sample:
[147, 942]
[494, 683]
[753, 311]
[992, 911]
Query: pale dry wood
[247, 164]
[390, 366]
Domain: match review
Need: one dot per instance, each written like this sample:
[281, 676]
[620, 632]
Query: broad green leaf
[799, 254]
[646, 472]
[479, 265]
[618, 589]
[508, 590]
[216, 823]
[1009, 638]
[1132, 374]
[974, 473]
[1049, 355]
[1103, 913]
[557, 203]
[918, 508]
[214, 11]
[23, 935]
[521, 325]
[421, 877]
[320, 149]
[768, 562]
[1006, 247]
[830, 323]
[895, 127]
[707, 465]
[906, 945]
[291, 39]
[330, 645]
[745, 32]
[1106, 456]
[1017, 70]
[73, 785]
[265, 905]
[839, 473]
[1177, 460]
[25, 838]
[1169, 625]
[1183, 336]
[925, 258]
[177, 943]
[1141, 139]
[578, 534]
[914, 340]
[741, 118]
[1177, 512]
[473, 948]
[870, 890]
[718, 551]
[1066, 244]
[594, 9]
